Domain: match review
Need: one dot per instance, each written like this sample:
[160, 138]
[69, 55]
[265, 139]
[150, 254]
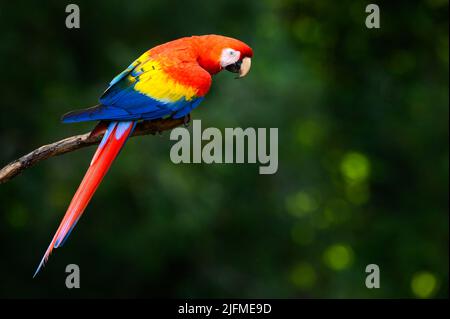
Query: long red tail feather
[112, 142]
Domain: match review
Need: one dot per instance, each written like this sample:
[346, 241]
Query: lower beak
[245, 67]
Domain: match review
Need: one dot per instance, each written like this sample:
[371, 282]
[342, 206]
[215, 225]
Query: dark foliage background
[363, 173]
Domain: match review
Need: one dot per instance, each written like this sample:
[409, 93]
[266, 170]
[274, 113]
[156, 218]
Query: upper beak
[245, 67]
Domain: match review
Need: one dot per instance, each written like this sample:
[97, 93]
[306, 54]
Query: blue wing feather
[121, 101]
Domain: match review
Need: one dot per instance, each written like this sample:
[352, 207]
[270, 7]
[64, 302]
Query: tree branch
[76, 142]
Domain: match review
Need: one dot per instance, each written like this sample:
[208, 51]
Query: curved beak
[245, 67]
[242, 67]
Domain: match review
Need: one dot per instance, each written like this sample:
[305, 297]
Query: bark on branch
[76, 142]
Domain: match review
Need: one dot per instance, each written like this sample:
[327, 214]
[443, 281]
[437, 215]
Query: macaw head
[216, 52]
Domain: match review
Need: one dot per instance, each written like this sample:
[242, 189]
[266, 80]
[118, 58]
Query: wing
[148, 89]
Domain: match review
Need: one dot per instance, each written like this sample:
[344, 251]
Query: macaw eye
[229, 56]
[231, 52]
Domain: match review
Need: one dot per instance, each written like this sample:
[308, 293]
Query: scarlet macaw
[168, 80]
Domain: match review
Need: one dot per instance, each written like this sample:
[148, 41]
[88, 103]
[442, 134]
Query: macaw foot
[99, 129]
[187, 120]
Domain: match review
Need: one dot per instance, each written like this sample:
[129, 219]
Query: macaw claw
[187, 120]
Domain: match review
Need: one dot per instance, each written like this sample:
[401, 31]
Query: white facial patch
[229, 56]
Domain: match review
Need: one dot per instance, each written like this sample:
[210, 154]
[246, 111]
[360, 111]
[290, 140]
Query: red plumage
[115, 137]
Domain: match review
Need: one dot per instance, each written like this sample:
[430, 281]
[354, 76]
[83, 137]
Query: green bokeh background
[363, 154]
